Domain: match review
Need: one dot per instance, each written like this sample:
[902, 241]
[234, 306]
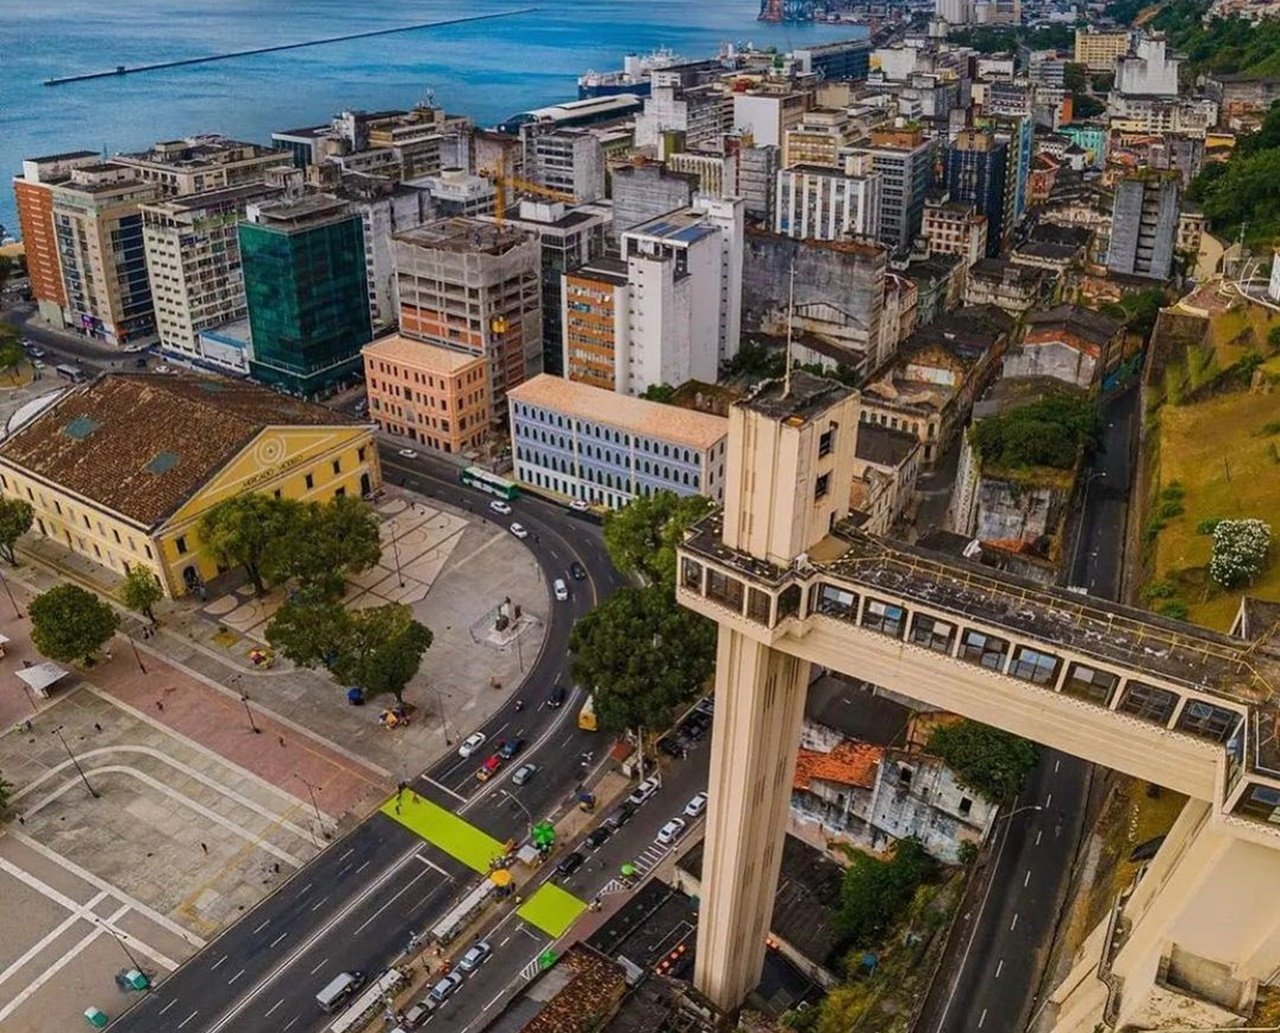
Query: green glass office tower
[307, 295]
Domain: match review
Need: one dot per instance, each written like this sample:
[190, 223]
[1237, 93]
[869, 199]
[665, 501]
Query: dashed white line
[982, 1018]
[494, 1000]
[305, 888]
[274, 1007]
[369, 921]
[1048, 800]
[292, 1022]
[319, 903]
[168, 1006]
[347, 854]
[214, 967]
[1014, 924]
[188, 1019]
[235, 977]
[1039, 833]
[344, 869]
[362, 867]
[318, 967]
[1056, 764]
[278, 939]
[1027, 879]
[999, 968]
[504, 942]
[261, 926]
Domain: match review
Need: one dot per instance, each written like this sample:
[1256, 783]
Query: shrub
[1174, 608]
[1169, 508]
[1239, 551]
[1152, 531]
[1208, 525]
[1270, 427]
[1172, 492]
[1159, 590]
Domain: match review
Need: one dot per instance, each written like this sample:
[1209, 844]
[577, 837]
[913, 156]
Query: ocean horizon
[487, 70]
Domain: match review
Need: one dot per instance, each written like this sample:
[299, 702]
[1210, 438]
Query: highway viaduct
[792, 583]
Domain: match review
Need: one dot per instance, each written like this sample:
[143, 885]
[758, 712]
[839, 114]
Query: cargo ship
[633, 78]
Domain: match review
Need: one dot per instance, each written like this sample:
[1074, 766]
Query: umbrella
[628, 870]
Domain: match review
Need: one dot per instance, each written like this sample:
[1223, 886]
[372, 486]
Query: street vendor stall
[40, 678]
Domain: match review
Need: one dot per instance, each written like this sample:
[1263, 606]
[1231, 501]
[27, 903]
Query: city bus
[71, 372]
[587, 715]
[474, 477]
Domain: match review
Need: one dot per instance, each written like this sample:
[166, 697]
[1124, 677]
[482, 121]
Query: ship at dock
[634, 76]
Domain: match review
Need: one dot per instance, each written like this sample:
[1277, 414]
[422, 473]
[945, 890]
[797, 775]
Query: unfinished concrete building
[472, 286]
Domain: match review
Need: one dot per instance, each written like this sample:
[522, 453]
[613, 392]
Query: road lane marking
[1014, 924]
[1039, 833]
[343, 870]
[431, 864]
[305, 888]
[1048, 800]
[292, 1022]
[188, 1019]
[278, 939]
[347, 854]
[367, 922]
[235, 977]
[506, 939]
[319, 903]
[318, 967]
[495, 999]
[1056, 764]
[443, 788]
[262, 925]
[167, 1006]
[214, 967]
[362, 867]
[273, 1007]
[999, 968]
[982, 1018]
[1027, 879]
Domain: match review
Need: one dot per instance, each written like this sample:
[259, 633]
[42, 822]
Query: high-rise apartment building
[1144, 224]
[193, 259]
[1150, 71]
[768, 113]
[904, 159]
[703, 113]
[816, 202]
[954, 228]
[306, 292]
[1097, 49]
[568, 238]
[977, 174]
[840, 59]
[34, 196]
[569, 161]
[199, 164]
[820, 138]
[595, 320]
[643, 192]
[97, 224]
[472, 286]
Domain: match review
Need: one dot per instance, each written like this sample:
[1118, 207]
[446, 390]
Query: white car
[561, 590]
[498, 506]
[162, 368]
[471, 743]
[671, 831]
[578, 506]
[407, 453]
[643, 791]
[695, 807]
[519, 531]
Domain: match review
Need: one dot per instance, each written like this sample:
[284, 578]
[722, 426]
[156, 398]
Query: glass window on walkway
[759, 605]
[1148, 702]
[834, 601]
[887, 618]
[1208, 721]
[724, 589]
[982, 649]
[1260, 802]
[692, 575]
[1090, 684]
[789, 602]
[932, 633]
[1033, 666]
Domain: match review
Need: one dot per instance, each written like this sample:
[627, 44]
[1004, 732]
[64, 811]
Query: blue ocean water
[488, 70]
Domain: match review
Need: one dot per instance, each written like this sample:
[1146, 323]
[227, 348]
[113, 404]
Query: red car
[489, 768]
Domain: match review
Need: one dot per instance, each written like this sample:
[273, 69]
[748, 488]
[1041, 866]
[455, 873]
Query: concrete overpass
[791, 582]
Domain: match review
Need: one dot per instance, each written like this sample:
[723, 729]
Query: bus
[474, 477]
[587, 715]
[69, 371]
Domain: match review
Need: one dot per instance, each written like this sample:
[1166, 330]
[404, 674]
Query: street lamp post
[128, 953]
[83, 778]
[136, 655]
[523, 808]
[311, 791]
[444, 724]
[395, 550]
[244, 698]
[9, 592]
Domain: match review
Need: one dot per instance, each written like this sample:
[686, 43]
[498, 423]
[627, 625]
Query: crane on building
[501, 181]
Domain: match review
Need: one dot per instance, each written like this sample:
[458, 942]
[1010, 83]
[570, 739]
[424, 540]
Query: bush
[968, 852]
[1239, 551]
[1159, 590]
[1169, 508]
[1172, 492]
[875, 892]
[1152, 531]
[989, 760]
[1174, 608]
[1208, 525]
[1052, 432]
[1271, 427]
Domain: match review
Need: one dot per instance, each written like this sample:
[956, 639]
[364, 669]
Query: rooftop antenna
[791, 311]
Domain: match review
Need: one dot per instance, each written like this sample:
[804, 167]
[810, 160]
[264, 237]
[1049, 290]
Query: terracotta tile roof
[588, 997]
[141, 444]
[850, 763]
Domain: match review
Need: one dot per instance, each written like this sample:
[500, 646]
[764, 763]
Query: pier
[133, 70]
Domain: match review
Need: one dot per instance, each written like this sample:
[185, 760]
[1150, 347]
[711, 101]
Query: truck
[587, 715]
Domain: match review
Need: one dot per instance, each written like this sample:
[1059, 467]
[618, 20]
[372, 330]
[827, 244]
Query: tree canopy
[1051, 432]
[11, 353]
[141, 591]
[642, 537]
[242, 532]
[15, 520]
[325, 542]
[988, 760]
[641, 655]
[875, 892]
[68, 623]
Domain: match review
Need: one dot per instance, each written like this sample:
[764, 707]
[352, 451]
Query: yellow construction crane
[501, 182]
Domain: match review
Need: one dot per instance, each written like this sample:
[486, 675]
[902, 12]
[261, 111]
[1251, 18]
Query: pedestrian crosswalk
[648, 859]
[531, 969]
[614, 886]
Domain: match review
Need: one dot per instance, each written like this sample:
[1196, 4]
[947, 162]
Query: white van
[339, 990]
[561, 589]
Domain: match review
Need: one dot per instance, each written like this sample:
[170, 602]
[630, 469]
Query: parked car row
[448, 985]
[507, 750]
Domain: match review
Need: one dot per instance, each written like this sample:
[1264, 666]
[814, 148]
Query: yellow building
[1097, 50]
[121, 469]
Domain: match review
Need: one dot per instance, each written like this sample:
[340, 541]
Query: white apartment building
[1149, 71]
[820, 203]
[193, 260]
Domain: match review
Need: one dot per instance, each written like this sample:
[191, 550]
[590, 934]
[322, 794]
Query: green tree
[988, 760]
[15, 521]
[875, 891]
[383, 650]
[310, 632]
[659, 393]
[1075, 77]
[6, 790]
[68, 623]
[641, 654]
[642, 537]
[327, 542]
[11, 353]
[250, 530]
[1052, 432]
[141, 591]
[1084, 106]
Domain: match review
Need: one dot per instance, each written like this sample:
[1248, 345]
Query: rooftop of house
[967, 334]
[1051, 251]
[1092, 326]
[1056, 233]
[854, 708]
[466, 235]
[141, 444]
[795, 399]
[1003, 270]
[419, 355]
[846, 764]
[885, 446]
[621, 412]
[603, 269]
[1014, 392]
[300, 213]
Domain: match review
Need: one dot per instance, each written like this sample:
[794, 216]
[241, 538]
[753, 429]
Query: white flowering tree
[1239, 551]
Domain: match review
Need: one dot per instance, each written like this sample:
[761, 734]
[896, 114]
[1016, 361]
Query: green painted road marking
[552, 909]
[456, 837]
